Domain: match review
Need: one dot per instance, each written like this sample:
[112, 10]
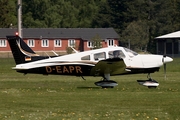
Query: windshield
[130, 52]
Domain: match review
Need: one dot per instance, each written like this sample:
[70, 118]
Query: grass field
[38, 97]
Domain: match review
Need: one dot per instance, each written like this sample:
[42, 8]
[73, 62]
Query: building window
[71, 43]
[3, 43]
[110, 42]
[89, 44]
[57, 43]
[31, 43]
[45, 43]
[94, 44]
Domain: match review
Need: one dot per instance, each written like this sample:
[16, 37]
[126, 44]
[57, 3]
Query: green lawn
[38, 97]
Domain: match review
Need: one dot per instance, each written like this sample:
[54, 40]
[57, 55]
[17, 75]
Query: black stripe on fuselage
[76, 70]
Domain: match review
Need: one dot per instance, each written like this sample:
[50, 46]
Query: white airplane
[104, 62]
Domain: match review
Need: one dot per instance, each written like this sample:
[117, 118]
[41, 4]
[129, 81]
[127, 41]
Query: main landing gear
[150, 83]
[106, 82]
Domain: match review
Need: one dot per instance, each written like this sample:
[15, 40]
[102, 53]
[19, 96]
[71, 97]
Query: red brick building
[58, 39]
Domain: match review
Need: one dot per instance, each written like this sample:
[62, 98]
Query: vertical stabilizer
[22, 53]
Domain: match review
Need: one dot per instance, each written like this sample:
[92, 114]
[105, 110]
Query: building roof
[84, 33]
[170, 35]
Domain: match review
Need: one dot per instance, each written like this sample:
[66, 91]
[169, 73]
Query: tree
[162, 20]
[137, 33]
[157, 17]
[87, 10]
[96, 42]
[66, 13]
[118, 14]
[8, 13]
[33, 13]
[103, 17]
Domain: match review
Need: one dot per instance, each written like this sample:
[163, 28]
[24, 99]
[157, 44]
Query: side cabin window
[100, 56]
[116, 54]
[86, 57]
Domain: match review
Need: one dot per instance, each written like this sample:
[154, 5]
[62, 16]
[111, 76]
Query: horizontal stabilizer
[16, 68]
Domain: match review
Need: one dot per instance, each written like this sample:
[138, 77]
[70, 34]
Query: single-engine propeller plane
[104, 62]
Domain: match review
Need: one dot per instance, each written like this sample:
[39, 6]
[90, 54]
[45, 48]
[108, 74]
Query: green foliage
[69, 50]
[137, 33]
[96, 42]
[67, 14]
[118, 14]
[103, 17]
[157, 17]
[8, 13]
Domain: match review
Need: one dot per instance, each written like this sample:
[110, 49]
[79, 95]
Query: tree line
[137, 22]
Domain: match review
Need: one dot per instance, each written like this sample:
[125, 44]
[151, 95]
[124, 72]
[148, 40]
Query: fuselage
[81, 64]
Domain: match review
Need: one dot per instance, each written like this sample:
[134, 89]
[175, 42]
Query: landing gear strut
[150, 83]
[106, 82]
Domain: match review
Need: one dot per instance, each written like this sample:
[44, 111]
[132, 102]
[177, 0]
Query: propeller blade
[165, 71]
[164, 64]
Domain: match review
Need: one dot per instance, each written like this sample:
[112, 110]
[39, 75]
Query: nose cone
[167, 59]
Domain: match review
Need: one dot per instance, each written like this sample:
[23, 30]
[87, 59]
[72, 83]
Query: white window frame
[44, 43]
[31, 42]
[56, 44]
[3, 43]
[71, 43]
[110, 42]
[90, 44]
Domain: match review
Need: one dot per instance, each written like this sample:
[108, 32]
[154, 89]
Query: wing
[112, 66]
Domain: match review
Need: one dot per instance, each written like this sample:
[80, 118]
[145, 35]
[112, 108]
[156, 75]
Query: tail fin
[22, 53]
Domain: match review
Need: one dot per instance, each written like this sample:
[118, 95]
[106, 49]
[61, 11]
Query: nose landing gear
[150, 83]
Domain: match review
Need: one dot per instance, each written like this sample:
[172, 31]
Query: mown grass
[38, 97]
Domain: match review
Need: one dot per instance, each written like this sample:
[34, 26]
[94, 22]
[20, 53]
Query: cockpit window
[116, 54]
[130, 52]
[100, 56]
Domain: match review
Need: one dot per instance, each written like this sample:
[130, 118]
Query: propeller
[164, 64]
